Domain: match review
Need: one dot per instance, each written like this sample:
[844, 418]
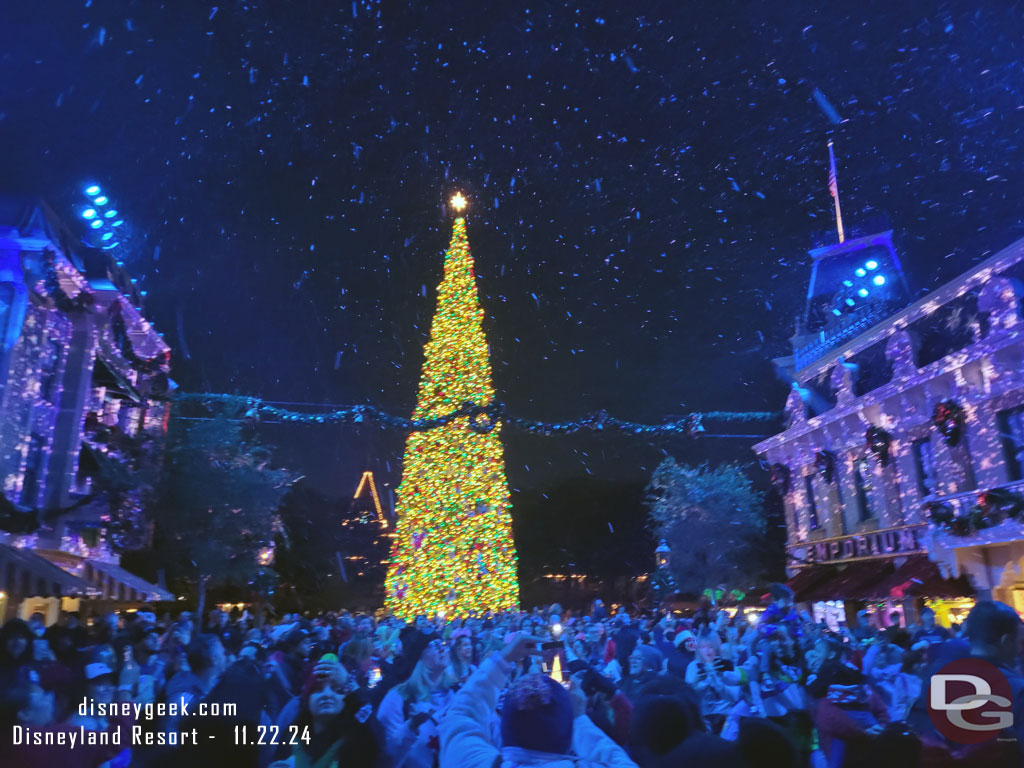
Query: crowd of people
[545, 687]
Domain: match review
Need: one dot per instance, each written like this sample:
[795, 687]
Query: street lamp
[663, 555]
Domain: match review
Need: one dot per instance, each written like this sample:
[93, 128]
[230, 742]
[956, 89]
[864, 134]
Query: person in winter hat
[410, 713]
[644, 665]
[541, 723]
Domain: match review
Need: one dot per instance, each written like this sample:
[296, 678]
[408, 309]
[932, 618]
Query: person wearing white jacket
[541, 723]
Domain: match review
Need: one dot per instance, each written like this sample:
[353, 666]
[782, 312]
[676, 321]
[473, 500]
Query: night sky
[645, 180]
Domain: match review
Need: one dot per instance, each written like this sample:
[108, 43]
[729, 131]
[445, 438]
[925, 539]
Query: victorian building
[901, 463]
[83, 393]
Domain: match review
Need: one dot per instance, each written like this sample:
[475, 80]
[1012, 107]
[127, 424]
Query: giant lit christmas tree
[454, 551]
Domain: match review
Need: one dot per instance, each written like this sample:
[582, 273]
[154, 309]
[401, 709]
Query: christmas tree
[454, 551]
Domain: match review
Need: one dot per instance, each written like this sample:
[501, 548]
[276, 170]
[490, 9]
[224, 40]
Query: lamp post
[662, 581]
[663, 555]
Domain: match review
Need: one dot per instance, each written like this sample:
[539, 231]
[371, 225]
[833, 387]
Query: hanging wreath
[879, 441]
[825, 463]
[939, 514]
[949, 418]
[780, 477]
[993, 508]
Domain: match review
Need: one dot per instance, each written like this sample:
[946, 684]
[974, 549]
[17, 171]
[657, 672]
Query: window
[812, 507]
[31, 483]
[924, 461]
[1011, 432]
[862, 482]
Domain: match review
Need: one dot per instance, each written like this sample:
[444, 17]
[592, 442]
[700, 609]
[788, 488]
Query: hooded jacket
[466, 741]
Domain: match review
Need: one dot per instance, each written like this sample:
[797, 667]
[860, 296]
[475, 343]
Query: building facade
[901, 464]
[83, 399]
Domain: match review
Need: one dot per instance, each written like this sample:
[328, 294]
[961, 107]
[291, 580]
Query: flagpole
[833, 188]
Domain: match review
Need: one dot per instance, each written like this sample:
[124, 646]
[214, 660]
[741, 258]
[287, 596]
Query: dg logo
[970, 701]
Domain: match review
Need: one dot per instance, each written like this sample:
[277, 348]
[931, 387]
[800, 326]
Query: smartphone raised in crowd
[373, 677]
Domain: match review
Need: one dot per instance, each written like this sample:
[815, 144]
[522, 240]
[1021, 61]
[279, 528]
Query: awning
[849, 582]
[920, 577]
[23, 573]
[111, 581]
[876, 580]
[806, 579]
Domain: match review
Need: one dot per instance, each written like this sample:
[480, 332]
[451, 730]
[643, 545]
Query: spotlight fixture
[879, 280]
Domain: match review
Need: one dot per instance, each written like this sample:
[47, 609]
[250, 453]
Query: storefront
[882, 572]
[31, 584]
[108, 586]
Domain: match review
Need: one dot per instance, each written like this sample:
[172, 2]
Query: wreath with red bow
[879, 441]
[825, 463]
[780, 477]
[949, 418]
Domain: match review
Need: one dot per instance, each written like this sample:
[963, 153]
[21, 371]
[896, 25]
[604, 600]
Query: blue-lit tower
[853, 285]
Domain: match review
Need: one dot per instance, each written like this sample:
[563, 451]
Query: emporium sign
[888, 543]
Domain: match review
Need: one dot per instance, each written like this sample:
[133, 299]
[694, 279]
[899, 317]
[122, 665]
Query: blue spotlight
[848, 283]
[89, 213]
[837, 312]
[872, 265]
[879, 280]
[101, 200]
[92, 190]
[110, 246]
[860, 272]
[117, 223]
[96, 224]
[850, 302]
[863, 293]
[106, 236]
[110, 214]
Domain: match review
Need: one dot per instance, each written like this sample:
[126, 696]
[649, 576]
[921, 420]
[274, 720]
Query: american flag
[833, 189]
[833, 186]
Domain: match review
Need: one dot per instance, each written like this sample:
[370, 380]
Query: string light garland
[481, 418]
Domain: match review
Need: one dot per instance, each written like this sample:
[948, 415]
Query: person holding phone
[541, 722]
[411, 712]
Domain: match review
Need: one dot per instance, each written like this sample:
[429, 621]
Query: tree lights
[454, 551]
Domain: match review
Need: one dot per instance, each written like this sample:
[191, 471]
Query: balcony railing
[963, 502]
[841, 330]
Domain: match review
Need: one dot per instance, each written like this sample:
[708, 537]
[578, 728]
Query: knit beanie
[652, 657]
[537, 715]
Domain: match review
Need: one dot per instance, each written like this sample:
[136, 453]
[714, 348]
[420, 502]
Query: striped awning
[23, 573]
[110, 580]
